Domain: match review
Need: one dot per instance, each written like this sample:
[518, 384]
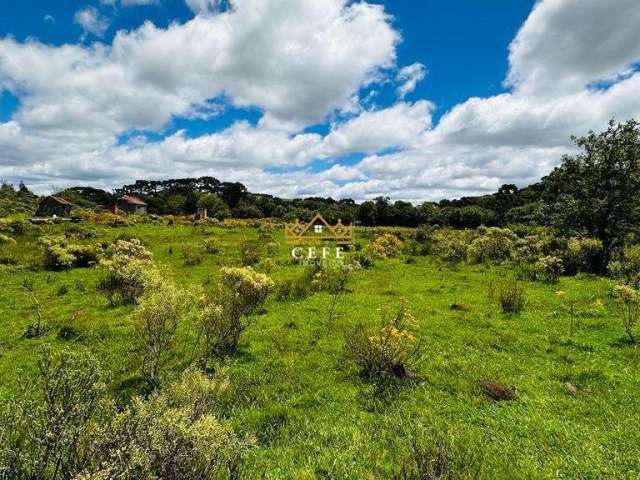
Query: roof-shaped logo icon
[318, 229]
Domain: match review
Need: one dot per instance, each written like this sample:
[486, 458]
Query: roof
[131, 199]
[62, 201]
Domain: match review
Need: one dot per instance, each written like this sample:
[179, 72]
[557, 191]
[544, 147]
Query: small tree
[629, 301]
[216, 208]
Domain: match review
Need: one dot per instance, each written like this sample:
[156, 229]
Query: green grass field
[576, 378]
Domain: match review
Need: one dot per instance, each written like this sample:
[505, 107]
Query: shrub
[526, 250]
[249, 288]
[156, 321]
[493, 245]
[174, 434]
[129, 247]
[511, 296]
[365, 259]
[250, 252]
[49, 436]
[583, 255]
[128, 270]
[5, 240]
[222, 319]
[629, 302]
[267, 265]
[384, 246]
[191, 255]
[451, 245]
[627, 265]
[294, 288]
[211, 245]
[391, 350]
[59, 254]
[549, 269]
[125, 279]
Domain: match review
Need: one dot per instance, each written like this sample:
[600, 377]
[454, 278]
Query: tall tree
[598, 189]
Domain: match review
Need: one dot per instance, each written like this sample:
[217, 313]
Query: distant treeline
[225, 199]
[594, 193]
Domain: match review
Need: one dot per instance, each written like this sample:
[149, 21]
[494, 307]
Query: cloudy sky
[415, 100]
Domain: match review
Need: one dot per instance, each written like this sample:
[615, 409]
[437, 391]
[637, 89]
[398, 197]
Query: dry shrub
[391, 350]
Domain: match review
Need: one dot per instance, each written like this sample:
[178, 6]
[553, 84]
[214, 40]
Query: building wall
[49, 207]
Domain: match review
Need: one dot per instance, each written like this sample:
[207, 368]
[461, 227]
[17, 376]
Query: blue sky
[413, 100]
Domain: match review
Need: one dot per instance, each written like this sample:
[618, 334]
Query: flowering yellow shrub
[384, 246]
[391, 349]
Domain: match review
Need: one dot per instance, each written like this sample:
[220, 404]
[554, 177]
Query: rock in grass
[495, 391]
[461, 307]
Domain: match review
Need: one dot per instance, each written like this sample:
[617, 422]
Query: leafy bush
[249, 288]
[294, 288]
[493, 245]
[629, 301]
[49, 436]
[451, 245]
[627, 265]
[5, 240]
[128, 270]
[70, 431]
[391, 350]
[191, 255]
[222, 319]
[267, 265]
[384, 246]
[549, 269]
[59, 254]
[365, 258]
[156, 320]
[211, 245]
[583, 255]
[251, 252]
[175, 434]
[511, 296]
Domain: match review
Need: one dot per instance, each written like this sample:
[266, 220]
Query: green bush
[156, 320]
[251, 252]
[583, 255]
[494, 245]
[191, 255]
[511, 296]
[49, 435]
[211, 245]
[627, 265]
[384, 246]
[222, 318]
[629, 301]
[549, 269]
[59, 254]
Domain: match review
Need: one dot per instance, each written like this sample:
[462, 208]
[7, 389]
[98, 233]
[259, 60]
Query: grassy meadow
[295, 391]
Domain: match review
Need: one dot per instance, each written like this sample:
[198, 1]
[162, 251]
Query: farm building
[130, 204]
[53, 206]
